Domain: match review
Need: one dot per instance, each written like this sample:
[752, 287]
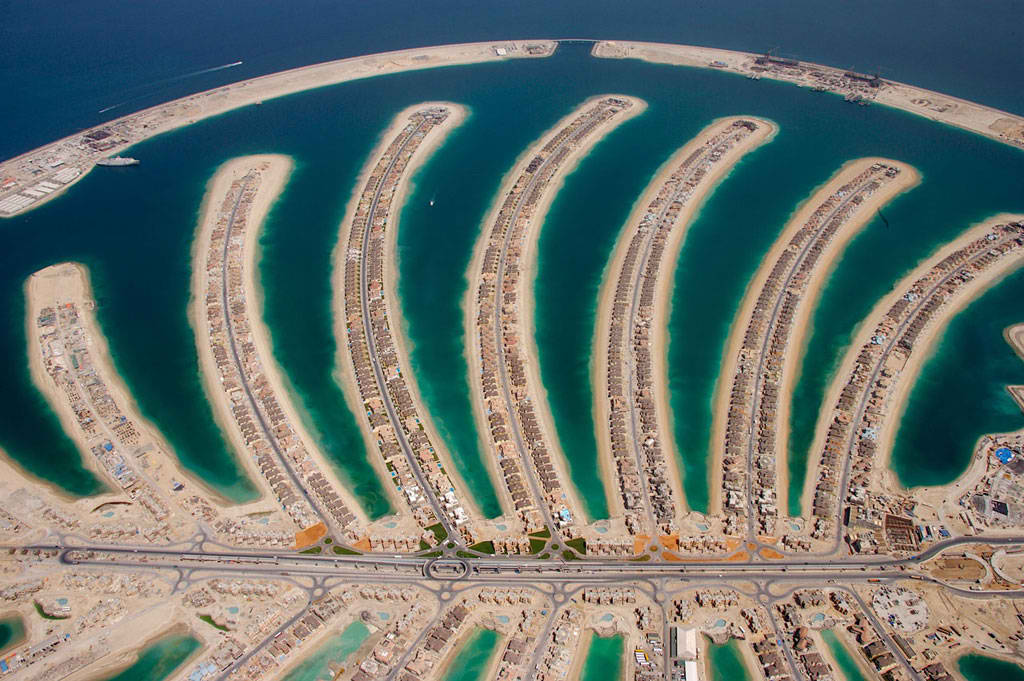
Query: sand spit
[565, 144]
[254, 407]
[856, 87]
[394, 421]
[71, 365]
[653, 235]
[783, 293]
[914, 314]
[33, 178]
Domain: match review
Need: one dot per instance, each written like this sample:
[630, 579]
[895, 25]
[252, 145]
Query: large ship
[118, 161]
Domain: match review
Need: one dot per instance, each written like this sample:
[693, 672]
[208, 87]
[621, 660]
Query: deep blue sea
[134, 227]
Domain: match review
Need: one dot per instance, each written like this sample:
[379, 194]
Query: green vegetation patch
[537, 545]
[570, 555]
[424, 545]
[342, 551]
[640, 559]
[544, 556]
[209, 620]
[45, 616]
[432, 554]
[465, 554]
[440, 534]
[545, 533]
[312, 549]
[483, 547]
[579, 545]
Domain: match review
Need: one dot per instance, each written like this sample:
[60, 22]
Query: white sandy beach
[142, 125]
[827, 262]
[663, 298]
[527, 280]
[923, 347]
[343, 365]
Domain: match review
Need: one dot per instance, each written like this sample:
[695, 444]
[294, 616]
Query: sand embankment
[70, 283]
[863, 214]
[977, 118]
[527, 285]
[924, 345]
[142, 125]
[343, 366]
[276, 173]
[663, 297]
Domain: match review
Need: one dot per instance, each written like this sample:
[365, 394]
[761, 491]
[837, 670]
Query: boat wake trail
[172, 79]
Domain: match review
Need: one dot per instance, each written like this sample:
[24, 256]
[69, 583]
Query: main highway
[559, 581]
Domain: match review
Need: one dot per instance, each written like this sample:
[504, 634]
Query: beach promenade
[378, 380]
[510, 402]
[752, 414]
[636, 450]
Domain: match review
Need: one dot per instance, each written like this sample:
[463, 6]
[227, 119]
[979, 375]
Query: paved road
[229, 325]
[396, 422]
[554, 578]
[759, 371]
[866, 393]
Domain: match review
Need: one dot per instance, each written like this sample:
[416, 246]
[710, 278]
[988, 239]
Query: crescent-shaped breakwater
[31, 179]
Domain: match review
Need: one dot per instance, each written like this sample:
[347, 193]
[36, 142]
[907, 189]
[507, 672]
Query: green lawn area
[342, 551]
[579, 545]
[640, 559]
[432, 554]
[543, 534]
[312, 549]
[570, 555]
[209, 620]
[440, 534]
[483, 547]
[537, 545]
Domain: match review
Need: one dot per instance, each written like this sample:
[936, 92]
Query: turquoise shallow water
[159, 660]
[604, 660]
[12, 632]
[134, 229]
[926, 455]
[726, 662]
[847, 665]
[336, 650]
[472, 657]
[983, 668]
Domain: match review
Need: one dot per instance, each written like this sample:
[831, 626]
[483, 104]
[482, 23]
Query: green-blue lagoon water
[473, 656]
[160, 660]
[335, 650]
[726, 662]
[604, 659]
[134, 229]
[926, 455]
[847, 665]
[12, 632]
[984, 668]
